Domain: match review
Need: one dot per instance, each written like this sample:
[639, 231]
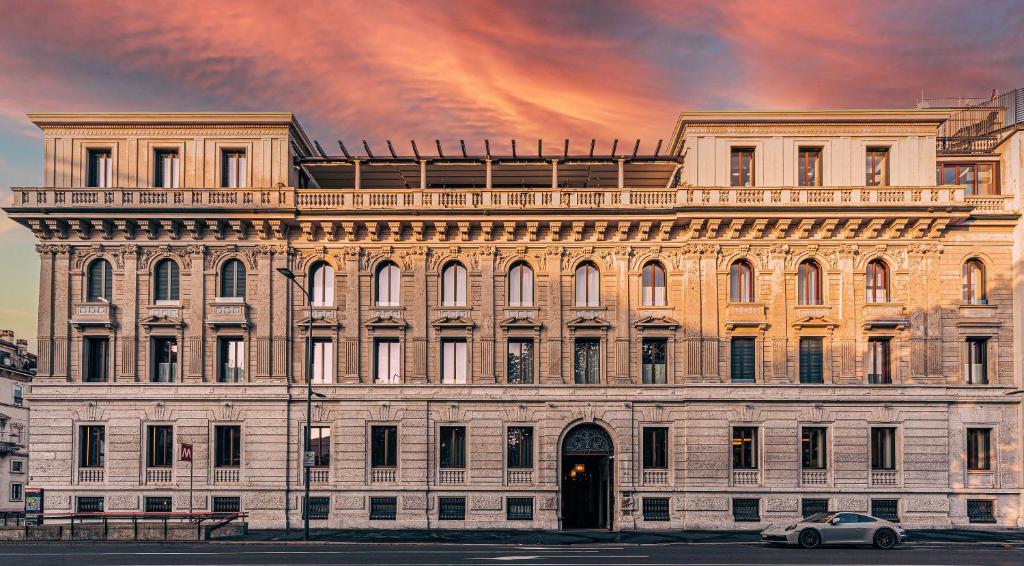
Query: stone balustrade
[814, 477]
[226, 475]
[520, 476]
[655, 477]
[746, 477]
[885, 478]
[383, 475]
[451, 476]
[90, 475]
[159, 475]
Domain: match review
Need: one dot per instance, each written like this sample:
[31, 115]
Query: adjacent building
[772, 314]
[17, 366]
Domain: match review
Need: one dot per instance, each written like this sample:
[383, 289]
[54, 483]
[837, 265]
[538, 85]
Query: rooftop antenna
[615, 145]
[439, 152]
[366, 146]
[415, 150]
[487, 148]
[565, 153]
[513, 149]
[462, 144]
[636, 147]
[540, 148]
[592, 143]
[320, 149]
[344, 150]
[391, 149]
[657, 149]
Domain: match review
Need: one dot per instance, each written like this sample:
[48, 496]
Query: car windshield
[819, 517]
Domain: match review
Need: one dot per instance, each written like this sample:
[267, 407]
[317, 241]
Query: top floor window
[587, 286]
[18, 393]
[877, 275]
[808, 280]
[100, 283]
[165, 288]
[232, 279]
[453, 285]
[974, 282]
[322, 290]
[809, 173]
[233, 169]
[653, 285]
[741, 167]
[741, 282]
[876, 166]
[100, 168]
[165, 169]
[520, 285]
[389, 279]
[979, 178]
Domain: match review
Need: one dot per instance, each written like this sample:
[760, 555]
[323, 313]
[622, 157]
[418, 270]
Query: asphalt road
[700, 554]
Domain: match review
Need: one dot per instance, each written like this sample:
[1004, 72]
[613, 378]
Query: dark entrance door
[586, 478]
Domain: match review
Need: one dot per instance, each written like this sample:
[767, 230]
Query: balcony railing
[655, 477]
[746, 477]
[383, 475]
[159, 475]
[884, 478]
[814, 477]
[226, 475]
[520, 476]
[90, 475]
[451, 476]
[93, 314]
[319, 475]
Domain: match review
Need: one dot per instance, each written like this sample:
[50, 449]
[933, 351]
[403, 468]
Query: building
[17, 366]
[781, 312]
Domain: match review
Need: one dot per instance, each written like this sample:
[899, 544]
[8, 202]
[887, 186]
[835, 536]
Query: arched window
[165, 288]
[974, 282]
[388, 280]
[741, 282]
[322, 289]
[877, 281]
[520, 285]
[232, 279]
[588, 289]
[808, 280]
[100, 284]
[652, 284]
[453, 285]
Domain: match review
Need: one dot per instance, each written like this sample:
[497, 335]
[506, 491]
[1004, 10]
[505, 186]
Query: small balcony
[227, 313]
[884, 315]
[984, 479]
[159, 475]
[655, 477]
[93, 314]
[383, 475]
[90, 475]
[746, 477]
[451, 476]
[226, 475]
[814, 477]
[8, 448]
[885, 478]
[746, 314]
[519, 476]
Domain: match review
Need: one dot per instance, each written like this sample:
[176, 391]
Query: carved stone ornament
[587, 439]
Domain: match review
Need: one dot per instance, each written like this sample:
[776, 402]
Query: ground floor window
[887, 509]
[519, 508]
[746, 510]
[981, 511]
[157, 504]
[383, 508]
[810, 507]
[17, 491]
[451, 508]
[319, 508]
[222, 504]
[656, 508]
[89, 504]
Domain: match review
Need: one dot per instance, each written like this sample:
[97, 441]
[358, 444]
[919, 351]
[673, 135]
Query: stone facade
[17, 365]
[297, 209]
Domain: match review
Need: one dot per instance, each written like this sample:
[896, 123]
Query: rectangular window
[877, 166]
[322, 365]
[165, 359]
[979, 178]
[742, 359]
[101, 168]
[17, 466]
[741, 167]
[976, 366]
[232, 360]
[979, 449]
[89, 505]
[389, 361]
[811, 359]
[519, 508]
[879, 367]
[227, 504]
[233, 169]
[319, 508]
[17, 396]
[746, 510]
[451, 508]
[655, 448]
[157, 504]
[883, 448]
[453, 361]
[159, 446]
[165, 169]
[653, 357]
[887, 509]
[227, 446]
[814, 455]
[95, 351]
[981, 511]
[587, 361]
[520, 447]
[17, 491]
[744, 448]
[810, 507]
[91, 440]
[383, 508]
[320, 445]
[520, 361]
[809, 173]
[655, 508]
[384, 446]
[452, 447]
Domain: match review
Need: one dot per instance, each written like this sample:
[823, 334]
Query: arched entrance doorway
[587, 473]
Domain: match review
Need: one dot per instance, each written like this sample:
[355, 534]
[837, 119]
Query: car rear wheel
[885, 539]
[810, 538]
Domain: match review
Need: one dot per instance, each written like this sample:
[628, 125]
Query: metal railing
[100, 525]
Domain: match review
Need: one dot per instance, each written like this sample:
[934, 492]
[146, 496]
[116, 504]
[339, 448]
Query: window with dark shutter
[232, 280]
[811, 360]
[742, 359]
[655, 448]
[166, 285]
[100, 283]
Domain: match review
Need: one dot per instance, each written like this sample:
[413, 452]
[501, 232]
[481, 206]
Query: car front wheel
[810, 538]
[885, 539]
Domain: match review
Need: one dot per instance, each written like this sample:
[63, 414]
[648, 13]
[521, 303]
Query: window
[588, 288]
[976, 364]
[95, 352]
[809, 167]
[877, 283]
[227, 504]
[389, 280]
[453, 285]
[883, 448]
[17, 466]
[655, 508]
[452, 447]
[100, 283]
[89, 504]
[743, 360]
[159, 446]
[101, 168]
[979, 450]
[653, 292]
[384, 446]
[886, 509]
[974, 282]
[322, 365]
[877, 166]
[320, 445]
[879, 366]
[165, 169]
[981, 511]
[654, 368]
[17, 393]
[17, 491]
[165, 359]
[227, 451]
[389, 361]
[811, 360]
[232, 360]
[519, 446]
[741, 282]
[744, 448]
[979, 178]
[741, 167]
[808, 280]
[319, 508]
[451, 508]
[520, 286]
[383, 508]
[453, 361]
[322, 275]
[232, 279]
[587, 357]
[520, 361]
[813, 449]
[519, 508]
[746, 510]
[165, 286]
[810, 507]
[157, 504]
[91, 446]
[233, 169]
[655, 448]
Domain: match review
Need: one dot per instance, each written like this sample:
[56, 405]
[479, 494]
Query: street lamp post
[307, 442]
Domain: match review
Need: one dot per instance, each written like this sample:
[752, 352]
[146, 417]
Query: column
[487, 309]
[419, 313]
[352, 323]
[622, 326]
[709, 312]
[61, 310]
[44, 323]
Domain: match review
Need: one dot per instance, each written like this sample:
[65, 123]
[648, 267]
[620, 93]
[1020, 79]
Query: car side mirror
[834, 521]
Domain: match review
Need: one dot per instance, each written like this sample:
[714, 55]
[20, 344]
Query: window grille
[809, 507]
[383, 508]
[451, 508]
[981, 511]
[746, 510]
[519, 508]
[887, 509]
[655, 508]
[319, 508]
[227, 504]
[158, 505]
[90, 505]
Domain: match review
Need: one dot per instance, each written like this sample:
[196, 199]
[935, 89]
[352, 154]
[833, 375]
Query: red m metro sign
[186, 453]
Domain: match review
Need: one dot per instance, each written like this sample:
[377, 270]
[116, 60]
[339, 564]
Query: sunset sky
[470, 70]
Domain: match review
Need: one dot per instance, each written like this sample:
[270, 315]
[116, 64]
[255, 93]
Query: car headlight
[791, 527]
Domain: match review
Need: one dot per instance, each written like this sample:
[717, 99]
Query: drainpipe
[426, 471]
[635, 464]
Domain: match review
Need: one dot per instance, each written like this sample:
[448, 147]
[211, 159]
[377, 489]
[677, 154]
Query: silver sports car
[836, 528]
